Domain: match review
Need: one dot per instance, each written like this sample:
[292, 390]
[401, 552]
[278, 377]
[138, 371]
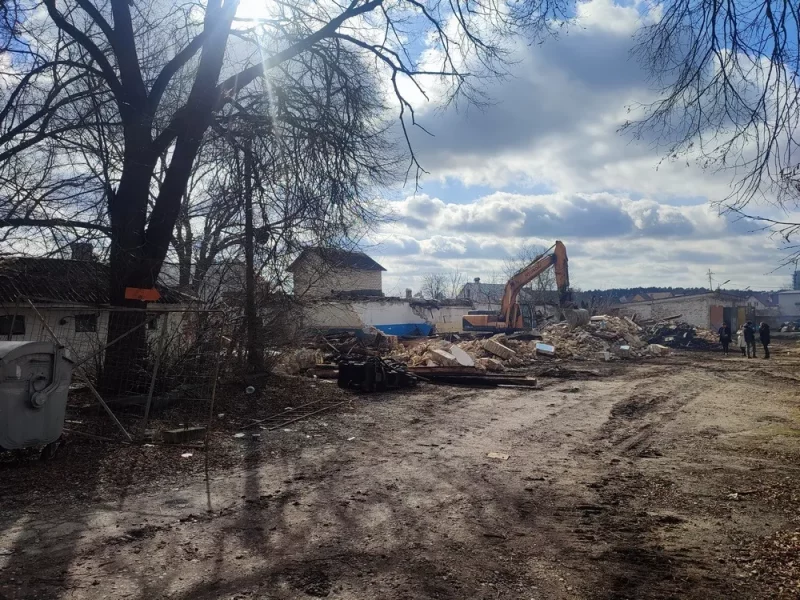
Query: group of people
[746, 337]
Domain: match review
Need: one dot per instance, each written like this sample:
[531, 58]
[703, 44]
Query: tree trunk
[130, 267]
[125, 363]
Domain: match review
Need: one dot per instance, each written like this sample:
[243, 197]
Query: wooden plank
[466, 371]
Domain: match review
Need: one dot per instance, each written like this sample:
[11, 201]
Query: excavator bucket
[576, 317]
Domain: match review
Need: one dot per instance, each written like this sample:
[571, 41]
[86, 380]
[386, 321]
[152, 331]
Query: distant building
[796, 281]
[330, 272]
[762, 301]
[789, 304]
[709, 310]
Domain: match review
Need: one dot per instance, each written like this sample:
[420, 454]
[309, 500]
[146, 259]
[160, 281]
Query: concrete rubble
[498, 349]
[489, 364]
[296, 361]
[605, 338]
[443, 358]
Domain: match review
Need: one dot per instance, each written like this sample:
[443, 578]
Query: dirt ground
[673, 478]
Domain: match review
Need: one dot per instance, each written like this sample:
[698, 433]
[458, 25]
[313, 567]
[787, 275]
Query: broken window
[12, 325]
[85, 323]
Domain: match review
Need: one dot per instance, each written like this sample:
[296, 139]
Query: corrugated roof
[54, 280]
[336, 257]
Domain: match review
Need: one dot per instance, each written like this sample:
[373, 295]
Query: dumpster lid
[10, 351]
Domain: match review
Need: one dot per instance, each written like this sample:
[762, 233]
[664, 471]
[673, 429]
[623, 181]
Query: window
[9, 321]
[152, 321]
[85, 323]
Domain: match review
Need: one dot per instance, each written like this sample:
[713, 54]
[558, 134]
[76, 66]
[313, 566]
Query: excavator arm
[509, 309]
[509, 318]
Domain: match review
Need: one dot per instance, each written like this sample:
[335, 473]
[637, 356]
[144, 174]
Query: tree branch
[172, 67]
[236, 82]
[30, 222]
[108, 71]
[124, 44]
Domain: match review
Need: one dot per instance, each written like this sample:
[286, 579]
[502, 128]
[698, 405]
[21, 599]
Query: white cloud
[627, 216]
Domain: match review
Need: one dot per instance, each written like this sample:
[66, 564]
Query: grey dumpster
[34, 381]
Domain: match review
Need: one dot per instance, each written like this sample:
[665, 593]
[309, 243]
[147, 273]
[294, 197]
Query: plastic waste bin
[34, 381]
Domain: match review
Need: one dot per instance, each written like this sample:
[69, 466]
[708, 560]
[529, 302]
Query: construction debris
[681, 335]
[498, 455]
[443, 358]
[498, 349]
[374, 374]
[469, 359]
[545, 349]
[472, 376]
[658, 350]
[297, 361]
[464, 359]
[489, 364]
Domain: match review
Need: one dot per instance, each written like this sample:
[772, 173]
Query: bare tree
[728, 77]
[434, 286]
[147, 79]
[116, 87]
[455, 282]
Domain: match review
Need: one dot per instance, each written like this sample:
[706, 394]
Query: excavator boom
[510, 318]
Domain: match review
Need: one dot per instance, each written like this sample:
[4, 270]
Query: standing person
[725, 337]
[764, 335]
[740, 339]
[750, 339]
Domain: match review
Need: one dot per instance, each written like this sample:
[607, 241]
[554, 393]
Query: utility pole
[710, 283]
[255, 356]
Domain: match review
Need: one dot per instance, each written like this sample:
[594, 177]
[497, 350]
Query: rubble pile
[681, 335]
[298, 361]
[603, 338]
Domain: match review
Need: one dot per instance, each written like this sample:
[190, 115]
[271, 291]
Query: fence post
[162, 340]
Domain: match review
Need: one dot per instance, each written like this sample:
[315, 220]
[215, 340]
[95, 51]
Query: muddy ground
[674, 478]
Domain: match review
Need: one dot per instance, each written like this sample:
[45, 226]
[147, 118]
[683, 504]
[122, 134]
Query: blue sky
[545, 161]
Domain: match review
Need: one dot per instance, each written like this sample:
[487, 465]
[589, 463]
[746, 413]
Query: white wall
[331, 315]
[445, 318]
[695, 310]
[81, 345]
[789, 303]
[390, 311]
[312, 278]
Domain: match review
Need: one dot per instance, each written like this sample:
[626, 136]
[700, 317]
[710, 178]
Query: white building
[709, 310]
[330, 272]
[70, 300]
[789, 304]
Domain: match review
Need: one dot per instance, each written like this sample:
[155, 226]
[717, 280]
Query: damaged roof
[492, 292]
[337, 257]
[55, 280]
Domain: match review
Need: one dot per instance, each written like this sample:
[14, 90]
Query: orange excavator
[509, 319]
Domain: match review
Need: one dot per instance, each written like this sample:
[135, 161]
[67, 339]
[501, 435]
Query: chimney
[408, 294]
[477, 280]
[82, 251]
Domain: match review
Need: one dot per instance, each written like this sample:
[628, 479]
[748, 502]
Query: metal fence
[139, 374]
